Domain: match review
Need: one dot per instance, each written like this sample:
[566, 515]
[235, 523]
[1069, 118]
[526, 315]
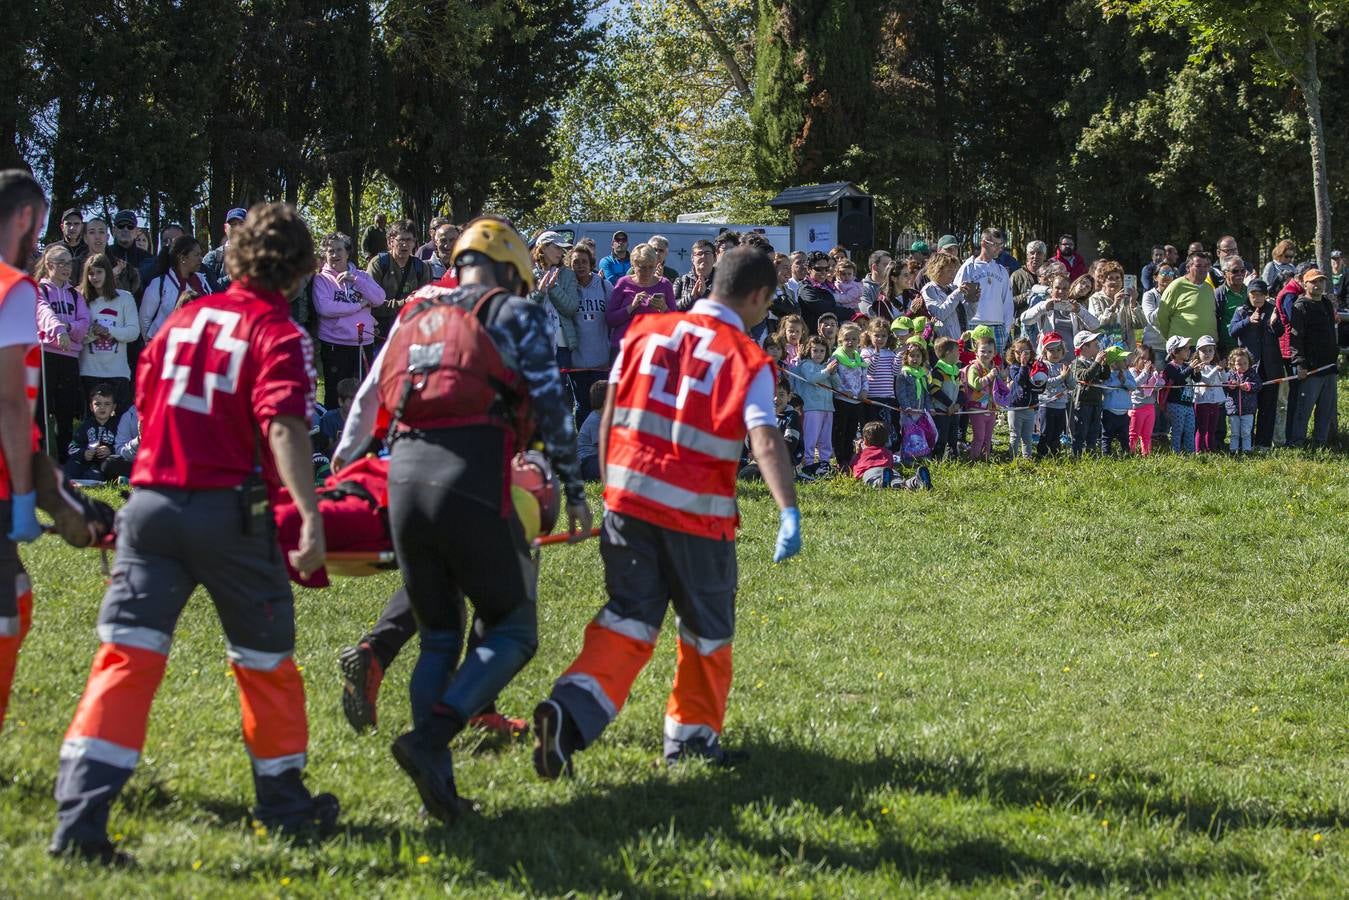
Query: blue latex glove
[24, 527]
[789, 534]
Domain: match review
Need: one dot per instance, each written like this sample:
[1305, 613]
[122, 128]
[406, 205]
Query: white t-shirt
[18, 316]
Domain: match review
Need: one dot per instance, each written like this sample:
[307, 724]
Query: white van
[680, 234]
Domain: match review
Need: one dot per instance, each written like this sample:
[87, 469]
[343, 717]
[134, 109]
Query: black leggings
[848, 420]
[63, 401]
[340, 361]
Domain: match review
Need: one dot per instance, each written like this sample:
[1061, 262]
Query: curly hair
[272, 249]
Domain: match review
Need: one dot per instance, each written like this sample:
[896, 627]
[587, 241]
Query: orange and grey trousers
[169, 542]
[647, 568]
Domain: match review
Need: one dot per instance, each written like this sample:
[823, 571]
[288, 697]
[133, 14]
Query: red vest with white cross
[679, 423]
[32, 367]
[209, 385]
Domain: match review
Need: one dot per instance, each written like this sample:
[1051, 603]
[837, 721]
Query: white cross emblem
[219, 362]
[664, 361]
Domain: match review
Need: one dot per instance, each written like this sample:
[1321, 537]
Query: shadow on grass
[580, 844]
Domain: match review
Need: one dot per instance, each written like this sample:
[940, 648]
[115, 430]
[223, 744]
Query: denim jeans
[1181, 418]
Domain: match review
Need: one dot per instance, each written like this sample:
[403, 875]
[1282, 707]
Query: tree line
[1129, 122]
[183, 109]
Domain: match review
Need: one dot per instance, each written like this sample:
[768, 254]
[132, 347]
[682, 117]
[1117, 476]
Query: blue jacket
[813, 386]
[1239, 402]
[1119, 401]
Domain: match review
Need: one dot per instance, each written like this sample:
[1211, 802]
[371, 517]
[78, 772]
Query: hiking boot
[496, 723]
[554, 741]
[702, 748]
[79, 520]
[925, 478]
[432, 771]
[320, 818]
[361, 678]
[102, 852]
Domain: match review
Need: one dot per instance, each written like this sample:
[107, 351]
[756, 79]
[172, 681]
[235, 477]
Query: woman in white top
[113, 323]
[175, 273]
[941, 298]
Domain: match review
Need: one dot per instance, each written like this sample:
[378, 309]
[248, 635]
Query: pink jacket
[344, 309]
[61, 310]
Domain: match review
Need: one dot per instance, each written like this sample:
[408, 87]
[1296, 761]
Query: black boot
[285, 804]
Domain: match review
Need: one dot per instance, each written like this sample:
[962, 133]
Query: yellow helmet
[498, 241]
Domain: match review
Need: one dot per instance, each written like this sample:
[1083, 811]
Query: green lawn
[1109, 677]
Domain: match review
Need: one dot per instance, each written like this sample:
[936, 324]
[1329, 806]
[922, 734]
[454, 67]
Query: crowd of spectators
[941, 341]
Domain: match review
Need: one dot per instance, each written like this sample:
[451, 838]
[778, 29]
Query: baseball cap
[947, 240]
[826, 315]
[1116, 353]
[919, 247]
[1311, 275]
[124, 217]
[237, 213]
[1175, 342]
[1052, 337]
[620, 234]
[1083, 338]
[552, 237]
[75, 212]
[1335, 254]
[1205, 340]
[1258, 284]
[982, 333]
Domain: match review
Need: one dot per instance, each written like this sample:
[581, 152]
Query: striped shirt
[882, 365]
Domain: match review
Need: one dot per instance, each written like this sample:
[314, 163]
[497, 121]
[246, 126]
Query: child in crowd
[847, 289]
[1178, 398]
[1024, 395]
[945, 391]
[333, 421]
[912, 395]
[1243, 393]
[878, 349]
[816, 381]
[1054, 376]
[791, 332]
[588, 437]
[1143, 401]
[827, 327]
[981, 377]
[126, 445]
[1209, 397]
[1089, 370]
[773, 347]
[852, 383]
[875, 464]
[95, 439]
[1117, 401]
[789, 423]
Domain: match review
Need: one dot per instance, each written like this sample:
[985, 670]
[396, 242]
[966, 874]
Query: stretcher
[354, 507]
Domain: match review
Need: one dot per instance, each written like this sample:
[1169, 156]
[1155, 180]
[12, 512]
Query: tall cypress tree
[812, 88]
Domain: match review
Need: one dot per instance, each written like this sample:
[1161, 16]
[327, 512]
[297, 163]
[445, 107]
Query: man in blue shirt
[617, 263]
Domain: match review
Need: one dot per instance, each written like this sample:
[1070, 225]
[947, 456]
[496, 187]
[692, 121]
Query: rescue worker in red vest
[225, 392]
[23, 209]
[683, 393]
[28, 478]
[461, 373]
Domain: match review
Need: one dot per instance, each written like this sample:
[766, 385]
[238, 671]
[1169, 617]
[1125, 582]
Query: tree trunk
[342, 204]
[1311, 93]
[723, 51]
[64, 154]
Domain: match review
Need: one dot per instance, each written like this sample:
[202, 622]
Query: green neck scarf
[919, 375]
[951, 370]
[853, 361]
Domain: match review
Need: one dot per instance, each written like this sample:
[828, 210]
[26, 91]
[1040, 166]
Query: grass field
[1109, 677]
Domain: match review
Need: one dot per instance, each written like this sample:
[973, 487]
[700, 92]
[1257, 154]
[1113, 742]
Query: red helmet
[535, 493]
